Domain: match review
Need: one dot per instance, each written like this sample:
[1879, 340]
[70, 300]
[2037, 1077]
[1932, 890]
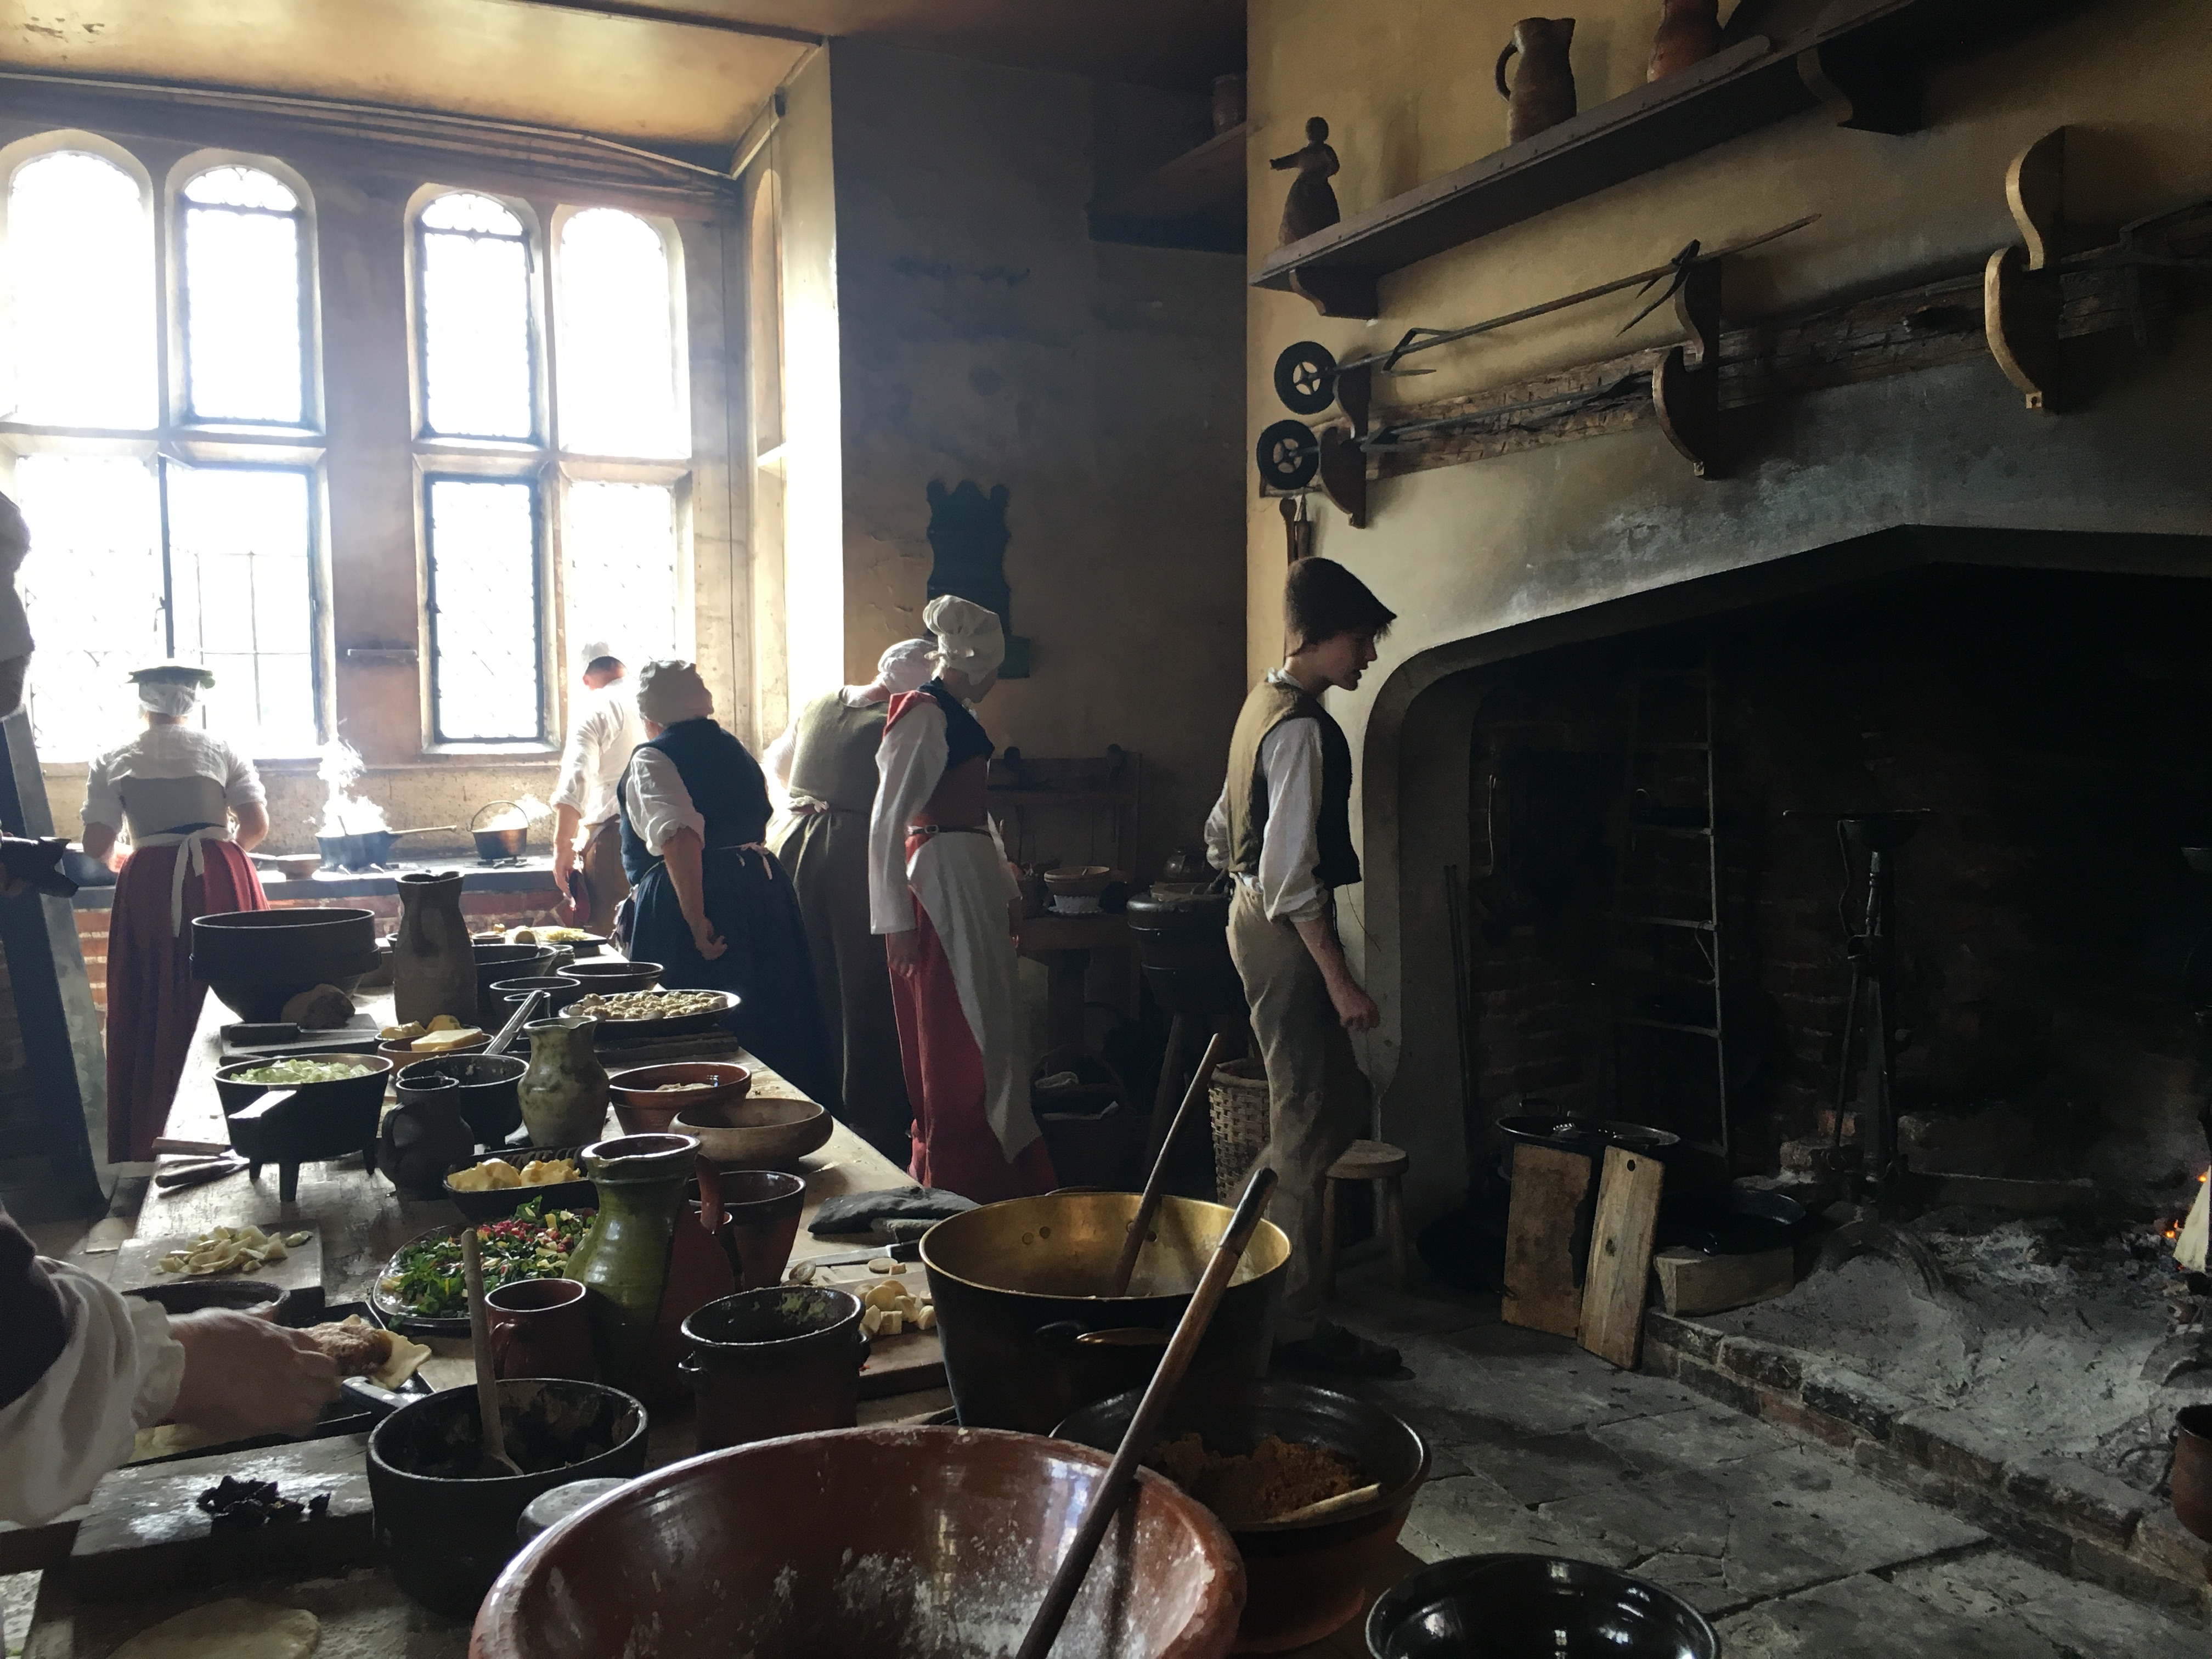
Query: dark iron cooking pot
[1030, 1334]
[1534, 1607]
[1182, 943]
[367, 849]
[255, 961]
[505, 842]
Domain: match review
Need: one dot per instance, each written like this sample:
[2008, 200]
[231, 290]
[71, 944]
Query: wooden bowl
[820, 1543]
[767, 1132]
[642, 1109]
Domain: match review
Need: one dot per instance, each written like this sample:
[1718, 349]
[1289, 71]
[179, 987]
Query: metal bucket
[1030, 1336]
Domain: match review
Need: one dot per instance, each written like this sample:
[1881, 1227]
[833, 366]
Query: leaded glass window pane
[618, 380]
[79, 268]
[241, 576]
[244, 262]
[620, 541]
[477, 359]
[484, 669]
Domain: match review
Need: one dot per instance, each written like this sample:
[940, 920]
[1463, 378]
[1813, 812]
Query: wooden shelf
[1862, 60]
[1195, 201]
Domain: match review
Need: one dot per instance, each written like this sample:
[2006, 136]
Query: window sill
[491, 751]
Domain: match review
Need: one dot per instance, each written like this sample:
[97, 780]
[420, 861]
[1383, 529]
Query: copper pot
[1030, 1334]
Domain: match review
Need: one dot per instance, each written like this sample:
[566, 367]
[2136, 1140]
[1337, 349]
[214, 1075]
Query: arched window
[619, 388]
[243, 240]
[80, 275]
[473, 304]
[485, 685]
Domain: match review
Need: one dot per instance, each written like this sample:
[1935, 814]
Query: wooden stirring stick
[1155, 1189]
[1143, 1423]
[494, 1438]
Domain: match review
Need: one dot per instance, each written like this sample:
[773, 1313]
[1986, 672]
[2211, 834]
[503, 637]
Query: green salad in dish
[533, 1243]
[290, 1073]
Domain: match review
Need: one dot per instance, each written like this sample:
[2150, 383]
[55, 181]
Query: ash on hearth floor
[1792, 1551]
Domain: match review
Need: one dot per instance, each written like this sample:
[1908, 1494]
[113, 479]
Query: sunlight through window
[618, 378]
[620, 540]
[473, 277]
[240, 560]
[243, 248]
[79, 274]
[483, 610]
[93, 587]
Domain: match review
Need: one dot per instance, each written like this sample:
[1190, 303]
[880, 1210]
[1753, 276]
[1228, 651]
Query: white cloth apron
[961, 883]
[149, 802]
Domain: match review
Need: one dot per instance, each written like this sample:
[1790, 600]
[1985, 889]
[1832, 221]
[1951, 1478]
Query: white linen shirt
[168, 751]
[119, 1373]
[600, 739]
[660, 804]
[1289, 844]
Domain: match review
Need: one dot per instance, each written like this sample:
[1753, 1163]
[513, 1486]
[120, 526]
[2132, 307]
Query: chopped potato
[544, 1172]
[490, 1175]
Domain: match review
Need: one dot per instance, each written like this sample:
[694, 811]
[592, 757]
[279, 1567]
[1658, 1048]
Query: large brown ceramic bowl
[880, 1543]
[772, 1132]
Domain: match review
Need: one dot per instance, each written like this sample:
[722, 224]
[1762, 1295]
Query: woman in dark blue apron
[714, 907]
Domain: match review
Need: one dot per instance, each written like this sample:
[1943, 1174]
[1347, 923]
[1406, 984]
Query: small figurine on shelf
[1311, 204]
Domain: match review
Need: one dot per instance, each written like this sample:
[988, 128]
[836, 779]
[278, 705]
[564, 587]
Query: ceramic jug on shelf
[1689, 33]
[1542, 93]
[434, 966]
[563, 1094]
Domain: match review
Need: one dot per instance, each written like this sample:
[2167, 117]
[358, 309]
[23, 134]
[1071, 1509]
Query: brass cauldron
[1030, 1334]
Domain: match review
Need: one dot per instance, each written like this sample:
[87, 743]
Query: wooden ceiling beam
[648, 14]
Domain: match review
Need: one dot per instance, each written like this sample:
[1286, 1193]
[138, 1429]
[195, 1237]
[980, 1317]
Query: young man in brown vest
[1283, 828]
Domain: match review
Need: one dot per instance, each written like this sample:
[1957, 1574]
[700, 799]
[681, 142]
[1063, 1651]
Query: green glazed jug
[624, 1254]
[563, 1095]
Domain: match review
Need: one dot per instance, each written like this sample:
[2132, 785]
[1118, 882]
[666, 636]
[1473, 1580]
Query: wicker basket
[1239, 1097]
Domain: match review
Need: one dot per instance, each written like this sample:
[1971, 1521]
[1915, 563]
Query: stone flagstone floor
[1541, 1446]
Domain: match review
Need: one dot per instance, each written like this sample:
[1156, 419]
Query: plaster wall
[1464, 551]
[985, 335]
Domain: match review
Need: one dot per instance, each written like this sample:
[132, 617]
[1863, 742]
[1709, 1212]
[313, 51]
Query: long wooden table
[362, 1220]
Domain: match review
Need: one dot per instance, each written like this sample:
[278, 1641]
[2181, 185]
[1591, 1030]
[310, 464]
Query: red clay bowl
[877, 1543]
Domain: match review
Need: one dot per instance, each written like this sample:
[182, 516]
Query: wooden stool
[1385, 1165]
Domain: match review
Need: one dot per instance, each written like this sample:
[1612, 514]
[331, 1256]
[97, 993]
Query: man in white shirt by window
[603, 729]
[1283, 828]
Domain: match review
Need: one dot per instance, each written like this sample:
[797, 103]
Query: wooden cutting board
[1541, 1292]
[146, 1535]
[910, 1362]
[301, 1272]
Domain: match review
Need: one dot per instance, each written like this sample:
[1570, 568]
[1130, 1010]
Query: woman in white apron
[176, 787]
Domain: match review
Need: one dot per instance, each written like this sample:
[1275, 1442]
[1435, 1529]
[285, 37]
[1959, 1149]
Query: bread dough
[231, 1629]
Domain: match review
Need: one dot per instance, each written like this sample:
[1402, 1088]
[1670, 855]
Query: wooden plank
[301, 1272]
[145, 1534]
[1548, 1185]
[1693, 1283]
[1620, 1255]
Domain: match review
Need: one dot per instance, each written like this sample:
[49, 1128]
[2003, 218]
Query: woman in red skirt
[176, 787]
[940, 893]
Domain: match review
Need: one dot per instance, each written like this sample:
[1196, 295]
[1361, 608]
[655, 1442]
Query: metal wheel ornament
[1289, 455]
[1305, 378]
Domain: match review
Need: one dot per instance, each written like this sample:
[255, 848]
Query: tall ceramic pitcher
[434, 967]
[1543, 92]
[625, 1255]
